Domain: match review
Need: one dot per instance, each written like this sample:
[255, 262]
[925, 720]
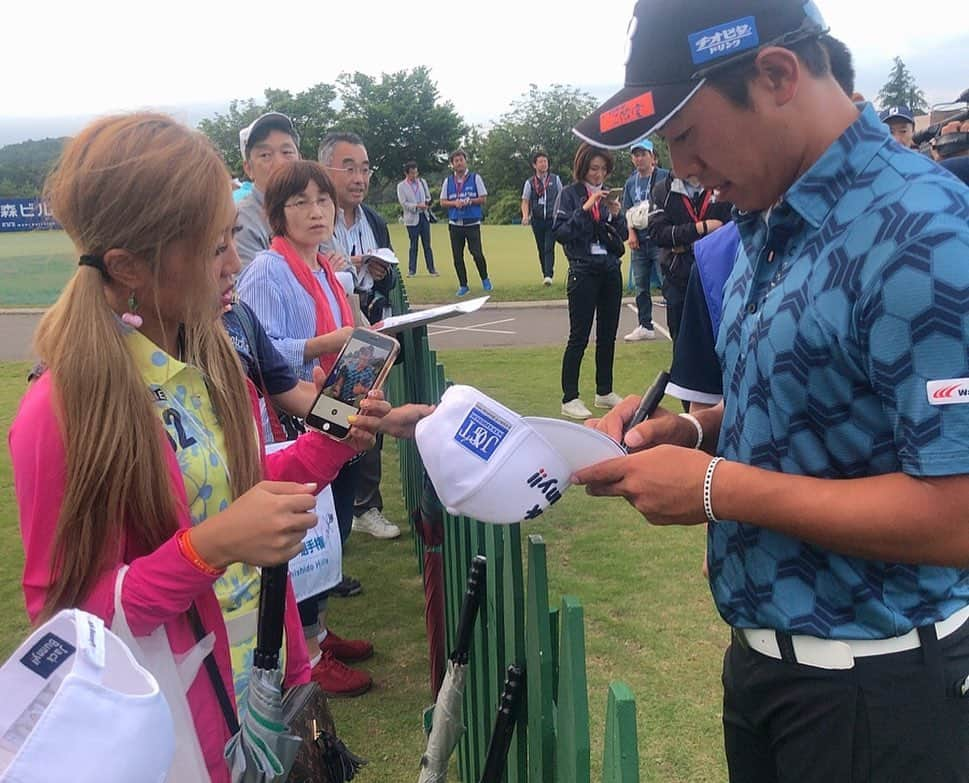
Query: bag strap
[245, 321]
[225, 703]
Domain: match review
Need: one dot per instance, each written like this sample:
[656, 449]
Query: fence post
[620, 755]
[572, 740]
[538, 668]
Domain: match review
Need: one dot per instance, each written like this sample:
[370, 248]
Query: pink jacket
[161, 585]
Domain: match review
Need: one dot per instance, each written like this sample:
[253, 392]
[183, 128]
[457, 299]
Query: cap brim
[634, 112]
[579, 446]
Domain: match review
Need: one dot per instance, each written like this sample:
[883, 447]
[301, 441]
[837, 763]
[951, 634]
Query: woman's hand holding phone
[594, 198]
[263, 527]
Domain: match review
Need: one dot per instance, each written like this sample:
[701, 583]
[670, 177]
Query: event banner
[25, 214]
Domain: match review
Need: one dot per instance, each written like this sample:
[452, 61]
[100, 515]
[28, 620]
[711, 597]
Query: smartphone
[362, 365]
[614, 194]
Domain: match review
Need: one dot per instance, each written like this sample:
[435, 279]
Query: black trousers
[470, 235]
[368, 481]
[591, 295]
[545, 242]
[895, 718]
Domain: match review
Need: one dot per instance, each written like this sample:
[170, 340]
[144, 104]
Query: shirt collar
[357, 216]
[155, 365]
[822, 186]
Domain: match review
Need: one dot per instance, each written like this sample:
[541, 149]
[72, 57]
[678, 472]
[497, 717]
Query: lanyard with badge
[596, 248]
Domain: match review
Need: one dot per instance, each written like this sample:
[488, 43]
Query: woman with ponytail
[138, 466]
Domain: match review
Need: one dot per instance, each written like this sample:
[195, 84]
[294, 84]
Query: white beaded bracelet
[707, 487]
[699, 427]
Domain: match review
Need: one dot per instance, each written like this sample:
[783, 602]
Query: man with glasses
[266, 143]
[359, 230]
[835, 473]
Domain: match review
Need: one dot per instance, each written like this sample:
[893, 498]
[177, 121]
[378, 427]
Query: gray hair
[330, 141]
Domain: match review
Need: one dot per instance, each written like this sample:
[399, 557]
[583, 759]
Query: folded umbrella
[508, 707]
[263, 751]
[448, 722]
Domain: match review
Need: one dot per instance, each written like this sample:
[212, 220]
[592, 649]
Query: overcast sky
[65, 61]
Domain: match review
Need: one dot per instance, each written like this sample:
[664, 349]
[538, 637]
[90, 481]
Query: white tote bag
[319, 566]
[77, 706]
[175, 674]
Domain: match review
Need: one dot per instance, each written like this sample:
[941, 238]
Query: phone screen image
[351, 378]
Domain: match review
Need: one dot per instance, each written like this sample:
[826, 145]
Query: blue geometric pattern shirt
[850, 299]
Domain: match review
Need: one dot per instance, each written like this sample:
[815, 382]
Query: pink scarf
[325, 322]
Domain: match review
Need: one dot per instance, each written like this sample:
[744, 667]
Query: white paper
[397, 323]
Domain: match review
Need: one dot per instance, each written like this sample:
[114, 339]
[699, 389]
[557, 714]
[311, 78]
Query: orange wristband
[184, 541]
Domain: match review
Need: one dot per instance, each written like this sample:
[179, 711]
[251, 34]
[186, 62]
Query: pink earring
[131, 317]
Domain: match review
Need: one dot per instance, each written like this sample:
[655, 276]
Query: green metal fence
[517, 624]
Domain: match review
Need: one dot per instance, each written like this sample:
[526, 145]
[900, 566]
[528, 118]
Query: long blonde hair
[136, 182]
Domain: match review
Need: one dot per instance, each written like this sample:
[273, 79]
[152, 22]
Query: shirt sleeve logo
[954, 391]
[723, 40]
[482, 432]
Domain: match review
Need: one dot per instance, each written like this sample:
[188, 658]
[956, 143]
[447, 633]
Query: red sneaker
[346, 650]
[339, 681]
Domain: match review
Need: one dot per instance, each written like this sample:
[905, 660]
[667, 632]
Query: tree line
[401, 116]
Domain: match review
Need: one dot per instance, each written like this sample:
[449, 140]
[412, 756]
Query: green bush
[504, 207]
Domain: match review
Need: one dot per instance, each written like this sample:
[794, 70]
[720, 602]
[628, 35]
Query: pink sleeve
[159, 586]
[312, 458]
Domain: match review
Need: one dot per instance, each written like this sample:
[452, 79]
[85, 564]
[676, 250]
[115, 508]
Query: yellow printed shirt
[183, 404]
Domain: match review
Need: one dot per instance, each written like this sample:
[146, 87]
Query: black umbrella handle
[469, 609]
[272, 608]
[508, 706]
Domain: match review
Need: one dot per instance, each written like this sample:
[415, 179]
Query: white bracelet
[707, 487]
[699, 427]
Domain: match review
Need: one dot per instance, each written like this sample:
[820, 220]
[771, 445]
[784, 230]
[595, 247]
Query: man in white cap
[644, 253]
[265, 144]
[834, 472]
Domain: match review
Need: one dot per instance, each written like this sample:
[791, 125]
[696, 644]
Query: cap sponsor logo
[47, 655]
[724, 40]
[482, 432]
[954, 391]
[639, 108]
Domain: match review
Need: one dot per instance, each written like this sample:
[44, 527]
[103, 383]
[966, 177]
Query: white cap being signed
[489, 463]
[77, 706]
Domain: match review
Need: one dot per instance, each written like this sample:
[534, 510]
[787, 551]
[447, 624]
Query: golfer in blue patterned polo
[838, 488]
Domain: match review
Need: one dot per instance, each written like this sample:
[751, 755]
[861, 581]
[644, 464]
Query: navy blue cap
[897, 112]
[674, 44]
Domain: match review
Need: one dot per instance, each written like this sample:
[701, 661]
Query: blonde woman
[138, 448]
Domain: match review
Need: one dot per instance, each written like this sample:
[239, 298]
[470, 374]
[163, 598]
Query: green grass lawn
[35, 265]
[649, 618]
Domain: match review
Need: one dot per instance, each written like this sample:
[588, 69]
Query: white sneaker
[547, 281]
[374, 523]
[574, 409]
[640, 333]
[610, 400]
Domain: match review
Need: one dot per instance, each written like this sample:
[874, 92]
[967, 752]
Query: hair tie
[96, 261]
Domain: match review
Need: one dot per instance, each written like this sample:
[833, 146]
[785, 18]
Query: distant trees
[401, 116]
[902, 90]
[24, 166]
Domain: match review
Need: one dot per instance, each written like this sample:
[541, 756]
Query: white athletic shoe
[574, 409]
[640, 333]
[610, 400]
[547, 281]
[374, 523]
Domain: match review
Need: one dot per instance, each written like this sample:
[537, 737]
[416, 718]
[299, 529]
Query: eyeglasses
[364, 171]
[306, 205]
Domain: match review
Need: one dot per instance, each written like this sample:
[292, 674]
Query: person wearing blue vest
[463, 194]
[834, 475]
